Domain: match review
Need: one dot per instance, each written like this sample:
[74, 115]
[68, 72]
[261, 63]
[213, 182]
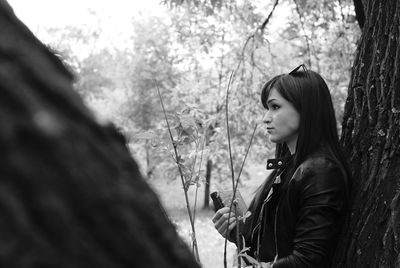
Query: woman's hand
[220, 221]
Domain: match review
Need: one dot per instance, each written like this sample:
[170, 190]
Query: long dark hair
[309, 94]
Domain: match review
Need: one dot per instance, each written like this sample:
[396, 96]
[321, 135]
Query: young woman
[298, 212]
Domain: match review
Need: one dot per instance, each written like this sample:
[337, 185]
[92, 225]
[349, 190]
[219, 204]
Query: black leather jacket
[302, 218]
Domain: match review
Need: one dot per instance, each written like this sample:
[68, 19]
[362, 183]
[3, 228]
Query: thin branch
[241, 167]
[252, 36]
[245, 156]
[174, 144]
[234, 197]
[262, 27]
[234, 186]
[304, 31]
[227, 129]
[229, 148]
[237, 229]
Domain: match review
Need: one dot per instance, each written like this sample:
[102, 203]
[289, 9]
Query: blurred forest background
[189, 51]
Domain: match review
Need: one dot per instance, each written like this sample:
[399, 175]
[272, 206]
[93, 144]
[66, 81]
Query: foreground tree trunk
[70, 193]
[371, 136]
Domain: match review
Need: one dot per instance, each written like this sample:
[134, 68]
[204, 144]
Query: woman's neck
[292, 146]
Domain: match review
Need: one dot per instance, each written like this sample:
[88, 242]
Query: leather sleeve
[320, 191]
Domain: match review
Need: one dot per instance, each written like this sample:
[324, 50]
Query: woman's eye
[275, 107]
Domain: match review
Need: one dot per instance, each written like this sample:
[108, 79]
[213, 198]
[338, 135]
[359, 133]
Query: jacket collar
[279, 163]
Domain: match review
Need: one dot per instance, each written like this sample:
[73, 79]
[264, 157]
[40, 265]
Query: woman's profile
[298, 211]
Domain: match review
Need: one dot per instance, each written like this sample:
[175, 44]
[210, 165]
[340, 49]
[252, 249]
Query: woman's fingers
[220, 221]
[223, 227]
[224, 231]
[220, 213]
[221, 216]
[232, 224]
[223, 220]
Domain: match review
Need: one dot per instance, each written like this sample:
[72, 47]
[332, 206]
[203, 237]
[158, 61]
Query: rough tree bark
[371, 136]
[70, 194]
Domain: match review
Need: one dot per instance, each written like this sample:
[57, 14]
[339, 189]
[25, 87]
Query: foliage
[190, 53]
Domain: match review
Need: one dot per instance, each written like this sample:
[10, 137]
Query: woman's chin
[273, 139]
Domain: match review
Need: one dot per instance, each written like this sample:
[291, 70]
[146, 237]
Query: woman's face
[282, 120]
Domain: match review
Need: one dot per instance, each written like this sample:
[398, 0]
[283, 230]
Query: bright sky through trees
[113, 17]
[60, 13]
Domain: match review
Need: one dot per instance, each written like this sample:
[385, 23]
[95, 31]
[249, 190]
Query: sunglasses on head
[298, 68]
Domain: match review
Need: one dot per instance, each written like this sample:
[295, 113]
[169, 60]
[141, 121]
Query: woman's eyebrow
[270, 100]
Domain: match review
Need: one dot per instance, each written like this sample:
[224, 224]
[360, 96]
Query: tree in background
[98, 71]
[371, 136]
[151, 64]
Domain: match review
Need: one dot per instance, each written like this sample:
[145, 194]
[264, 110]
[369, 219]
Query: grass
[209, 241]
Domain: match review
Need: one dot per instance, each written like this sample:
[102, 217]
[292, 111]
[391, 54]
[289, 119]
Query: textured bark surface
[371, 136]
[70, 193]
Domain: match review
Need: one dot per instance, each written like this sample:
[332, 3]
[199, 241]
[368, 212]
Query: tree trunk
[70, 193]
[371, 131]
[207, 185]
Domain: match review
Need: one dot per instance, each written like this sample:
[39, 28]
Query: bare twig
[174, 144]
[227, 129]
[229, 149]
[306, 37]
[245, 156]
[234, 185]
[252, 36]
[262, 27]
[234, 197]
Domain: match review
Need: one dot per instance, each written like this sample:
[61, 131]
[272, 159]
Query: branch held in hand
[234, 184]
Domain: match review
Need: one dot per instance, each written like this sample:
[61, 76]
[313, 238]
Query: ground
[210, 243]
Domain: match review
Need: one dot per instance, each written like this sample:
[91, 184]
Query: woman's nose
[267, 118]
